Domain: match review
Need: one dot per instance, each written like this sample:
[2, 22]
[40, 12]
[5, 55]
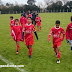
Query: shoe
[17, 53]
[30, 57]
[58, 61]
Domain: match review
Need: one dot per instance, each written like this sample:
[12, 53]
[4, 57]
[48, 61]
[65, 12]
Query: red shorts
[56, 44]
[29, 41]
[38, 23]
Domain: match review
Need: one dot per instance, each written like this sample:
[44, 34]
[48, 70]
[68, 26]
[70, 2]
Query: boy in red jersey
[69, 34]
[16, 34]
[12, 22]
[22, 20]
[56, 33]
[29, 38]
[38, 21]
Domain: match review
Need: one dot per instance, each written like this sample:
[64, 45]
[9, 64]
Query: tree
[31, 2]
[0, 2]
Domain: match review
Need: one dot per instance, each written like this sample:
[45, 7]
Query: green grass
[43, 57]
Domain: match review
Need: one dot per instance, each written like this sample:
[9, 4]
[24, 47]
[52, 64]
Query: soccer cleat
[58, 61]
[17, 52]
[30, 57]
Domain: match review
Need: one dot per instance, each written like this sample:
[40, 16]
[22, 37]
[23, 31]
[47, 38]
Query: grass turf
[43, 57]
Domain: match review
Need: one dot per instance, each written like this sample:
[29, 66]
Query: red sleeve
[12, 33]
[67, 32]
[24, 28]
[63, 32]
[50, 33]
[20, 21]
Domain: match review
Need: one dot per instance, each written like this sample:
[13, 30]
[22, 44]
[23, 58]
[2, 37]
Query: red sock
[30, 51]
[59, 55]
[18, 47]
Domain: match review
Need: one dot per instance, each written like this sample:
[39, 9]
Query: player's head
[57, 24]
[71, 18]
[11, 17]
[37, 14]
[29, 20]
[21, 14]
[29, 11]
[16, 21]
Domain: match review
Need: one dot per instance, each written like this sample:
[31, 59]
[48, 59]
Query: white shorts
[71, 43]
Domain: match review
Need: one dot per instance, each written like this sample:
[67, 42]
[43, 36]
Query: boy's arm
[49, 35]
[63, 32]
[36, 35]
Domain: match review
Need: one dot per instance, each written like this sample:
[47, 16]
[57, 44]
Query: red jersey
[16, 32]
[69, 32]
[30, 15]
[56, 33]
[12, 23]
[29, 29]
[22, 20]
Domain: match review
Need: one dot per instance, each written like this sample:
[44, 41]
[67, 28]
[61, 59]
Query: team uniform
[12, 23]
[38, 20]
[69, 33]
[29, 38]
[22, 21]
[25, 20]
[56, 33]
[17, 32]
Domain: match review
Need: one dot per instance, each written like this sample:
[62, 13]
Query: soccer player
[69, 34]
[22, 20]
[29, 14]
[16, 34]
[38, 21]
[56, 33]
[29, 38]
[12, 22]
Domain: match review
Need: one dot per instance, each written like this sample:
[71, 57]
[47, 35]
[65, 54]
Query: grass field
[43, 57]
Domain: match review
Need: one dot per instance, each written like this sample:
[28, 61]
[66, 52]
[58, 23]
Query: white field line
[10, 63]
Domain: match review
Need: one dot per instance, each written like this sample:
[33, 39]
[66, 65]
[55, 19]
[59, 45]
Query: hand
[22, 40]
[12, 37]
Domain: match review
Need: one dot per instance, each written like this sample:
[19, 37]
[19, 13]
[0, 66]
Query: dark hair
[16, 20]
[11, 17]
[71, 18]
[37, 14]
[21, 14]
[57, 22]
[30, 18]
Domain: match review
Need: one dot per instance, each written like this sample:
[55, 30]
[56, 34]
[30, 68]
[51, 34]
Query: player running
[12, 22]
[56, 33]
[69, 34]
[22, 20]
[38, 21]
[28, 30]
[16, 34]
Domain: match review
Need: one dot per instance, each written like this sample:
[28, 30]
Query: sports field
[43, 57]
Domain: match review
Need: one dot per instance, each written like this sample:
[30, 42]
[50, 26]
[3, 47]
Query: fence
[41, 11]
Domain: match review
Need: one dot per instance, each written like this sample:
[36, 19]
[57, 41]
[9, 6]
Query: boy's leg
[55, 50]
[28, 46]
[40, 28]
[30, 51]
[58, 54]
[17, 43]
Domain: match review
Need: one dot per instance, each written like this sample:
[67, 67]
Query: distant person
[69, 34]
[12, 22]
[22, 20]
[38, 21]
[16, 34]
[28, 30]
[29, 14]
[24, 14]
[56, 34]
[33, 18]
